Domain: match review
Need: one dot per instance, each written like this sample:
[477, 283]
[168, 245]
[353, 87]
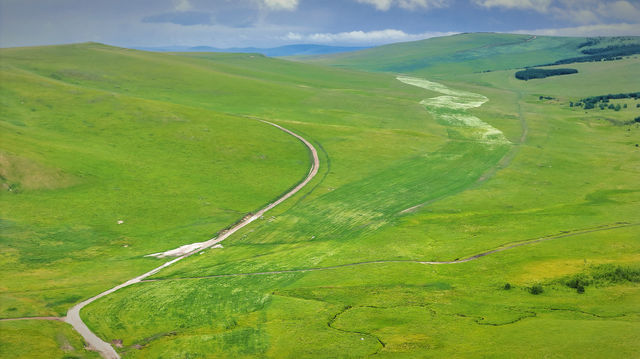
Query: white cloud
[594, 12]
[362, 37]
[182, 5]
[537, 5]
[622, 29]
[619, 10]
[575, 11]
[281, 4]
[384, 5]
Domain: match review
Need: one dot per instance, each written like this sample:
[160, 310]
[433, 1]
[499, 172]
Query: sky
[270, 23]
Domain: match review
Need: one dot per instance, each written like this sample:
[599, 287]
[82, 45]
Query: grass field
[399, 182]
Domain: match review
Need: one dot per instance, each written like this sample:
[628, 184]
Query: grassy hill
[168, 143]
[471, 52]
[92, 135]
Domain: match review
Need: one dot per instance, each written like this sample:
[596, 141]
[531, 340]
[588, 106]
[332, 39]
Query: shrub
[536, 289]
[507, 286]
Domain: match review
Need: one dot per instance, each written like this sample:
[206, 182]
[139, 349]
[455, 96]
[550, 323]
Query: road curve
[104, 348]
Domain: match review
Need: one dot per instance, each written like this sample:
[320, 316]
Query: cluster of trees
[609, 53]
[603, 100]
[531, 73]
[592, 41]
[614, 50]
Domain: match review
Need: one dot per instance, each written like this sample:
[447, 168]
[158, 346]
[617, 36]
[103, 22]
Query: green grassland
[89, 138]
[564, 172]
[41, 339]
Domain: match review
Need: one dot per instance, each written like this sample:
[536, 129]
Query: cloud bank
[384, 5]
[622, 29]
[362, 37]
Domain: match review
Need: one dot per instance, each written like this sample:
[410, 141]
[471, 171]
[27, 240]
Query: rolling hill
[478, 52]
[456, 213]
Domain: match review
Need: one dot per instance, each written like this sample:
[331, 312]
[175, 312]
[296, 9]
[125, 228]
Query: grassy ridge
[469, 52]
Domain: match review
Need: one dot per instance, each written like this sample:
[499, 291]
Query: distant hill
[477, 52]
[281, 51]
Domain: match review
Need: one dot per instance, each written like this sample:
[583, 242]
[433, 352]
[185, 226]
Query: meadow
[398, 184]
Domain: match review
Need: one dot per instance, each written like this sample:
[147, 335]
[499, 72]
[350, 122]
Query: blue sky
[268, 23]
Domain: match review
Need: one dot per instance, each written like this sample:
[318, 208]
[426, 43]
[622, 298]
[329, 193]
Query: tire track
[382, 261]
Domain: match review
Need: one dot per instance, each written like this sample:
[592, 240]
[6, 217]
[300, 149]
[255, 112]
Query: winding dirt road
[104, 348]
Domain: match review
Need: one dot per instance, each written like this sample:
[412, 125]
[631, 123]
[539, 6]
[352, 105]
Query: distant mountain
[288, 50]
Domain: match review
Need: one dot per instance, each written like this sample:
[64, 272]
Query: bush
[602, 275]
[536, 289]
[611, 274]
[578, 282]
[507, 286]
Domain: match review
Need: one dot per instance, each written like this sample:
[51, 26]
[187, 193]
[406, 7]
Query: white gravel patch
[456, 103]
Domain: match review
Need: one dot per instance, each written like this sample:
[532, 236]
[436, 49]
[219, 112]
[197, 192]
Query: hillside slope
[472, 52]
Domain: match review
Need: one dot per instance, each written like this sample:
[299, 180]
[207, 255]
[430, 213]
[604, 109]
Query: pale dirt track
[104, 348]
